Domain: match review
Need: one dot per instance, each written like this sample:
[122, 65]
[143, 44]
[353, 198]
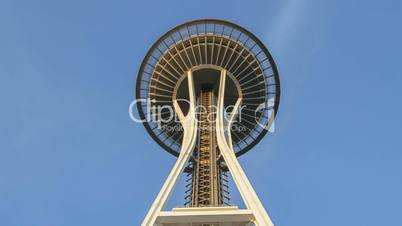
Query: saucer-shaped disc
[205, 47]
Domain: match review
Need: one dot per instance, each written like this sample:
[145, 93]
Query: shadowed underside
[210, 44]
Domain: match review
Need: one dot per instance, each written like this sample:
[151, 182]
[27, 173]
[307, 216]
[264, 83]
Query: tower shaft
[207, 187]
[209, 180]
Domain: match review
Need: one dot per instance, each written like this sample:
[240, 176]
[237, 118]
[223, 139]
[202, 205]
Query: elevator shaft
[207, 174]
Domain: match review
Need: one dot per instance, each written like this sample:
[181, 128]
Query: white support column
[189, 139]
[224, 141]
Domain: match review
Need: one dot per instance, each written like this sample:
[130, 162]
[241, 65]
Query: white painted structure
[254, 214]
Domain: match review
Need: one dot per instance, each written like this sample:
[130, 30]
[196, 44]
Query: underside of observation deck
[218, 45]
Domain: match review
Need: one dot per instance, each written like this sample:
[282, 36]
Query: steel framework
[207, 172]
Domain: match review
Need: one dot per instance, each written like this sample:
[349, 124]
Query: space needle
[208, 91]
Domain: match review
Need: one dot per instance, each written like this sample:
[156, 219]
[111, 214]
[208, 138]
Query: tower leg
[246, 190]
[189, 138]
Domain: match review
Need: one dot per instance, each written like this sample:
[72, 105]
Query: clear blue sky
[70, 156]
